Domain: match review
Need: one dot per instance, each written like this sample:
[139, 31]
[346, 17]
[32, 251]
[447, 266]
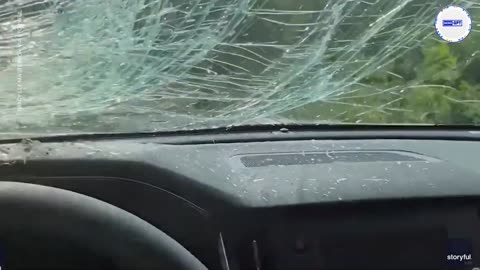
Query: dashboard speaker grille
[324, 157]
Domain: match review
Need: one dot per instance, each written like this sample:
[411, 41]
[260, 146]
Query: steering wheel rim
[131, 242]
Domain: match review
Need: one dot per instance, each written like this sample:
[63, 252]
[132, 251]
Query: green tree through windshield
[435, 83]
[148, 65]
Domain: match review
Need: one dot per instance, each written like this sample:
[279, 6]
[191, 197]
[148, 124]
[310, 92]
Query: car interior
[271, 199]
[239, 134]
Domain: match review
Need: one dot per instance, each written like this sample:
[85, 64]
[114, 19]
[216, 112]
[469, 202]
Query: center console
[443, 234]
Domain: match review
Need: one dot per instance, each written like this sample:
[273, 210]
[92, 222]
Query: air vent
[326, 157]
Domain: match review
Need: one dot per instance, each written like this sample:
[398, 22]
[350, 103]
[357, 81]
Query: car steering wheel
[129, 241]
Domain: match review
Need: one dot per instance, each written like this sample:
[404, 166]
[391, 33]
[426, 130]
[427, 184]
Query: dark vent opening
[325, 157]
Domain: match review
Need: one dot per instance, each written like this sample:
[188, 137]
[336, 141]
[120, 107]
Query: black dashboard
[293, 204]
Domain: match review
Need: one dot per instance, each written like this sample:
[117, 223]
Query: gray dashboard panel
[439, 169]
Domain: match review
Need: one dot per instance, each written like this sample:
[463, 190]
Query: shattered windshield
[78, 66]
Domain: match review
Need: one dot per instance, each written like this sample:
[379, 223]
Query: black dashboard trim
[258, 133]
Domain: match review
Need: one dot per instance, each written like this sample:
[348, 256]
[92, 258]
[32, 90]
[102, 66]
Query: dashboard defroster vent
[305, 158]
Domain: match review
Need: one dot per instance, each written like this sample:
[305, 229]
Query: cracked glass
[89, 66]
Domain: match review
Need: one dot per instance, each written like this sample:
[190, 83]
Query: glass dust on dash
[453, 24]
